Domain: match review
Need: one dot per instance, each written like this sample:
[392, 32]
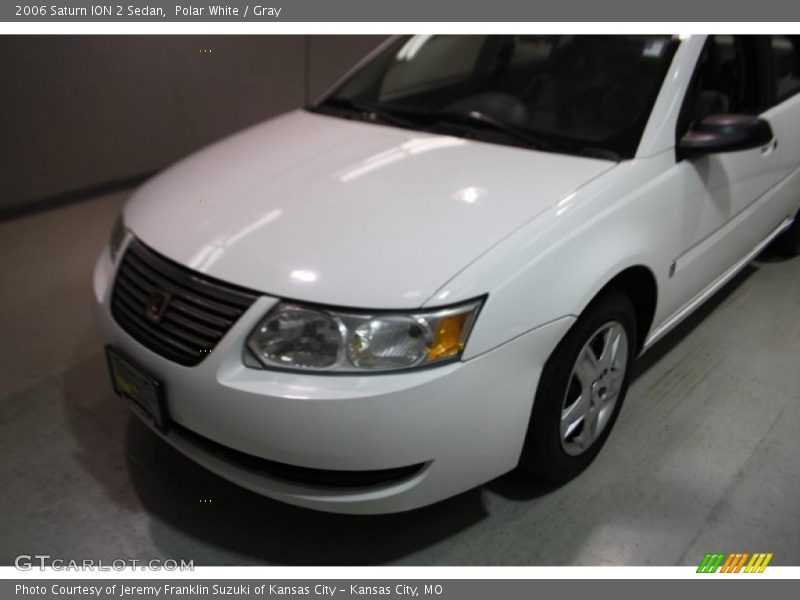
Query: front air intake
[174, 311]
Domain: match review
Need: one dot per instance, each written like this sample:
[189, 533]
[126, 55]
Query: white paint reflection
[303, 276]
[206, 256]
[265, 220]
[563, 205]
[411, 147]
[211, 253]
[426, 144]
[566, 199]
[370, 164]
[413, 294]
[469, 194]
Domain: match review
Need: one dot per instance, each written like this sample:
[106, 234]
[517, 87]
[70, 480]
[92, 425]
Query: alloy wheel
[594, 388]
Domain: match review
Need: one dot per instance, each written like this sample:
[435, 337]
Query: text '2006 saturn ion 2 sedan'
[445, 268]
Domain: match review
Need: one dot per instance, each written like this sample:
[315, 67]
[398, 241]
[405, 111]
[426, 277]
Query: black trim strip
[303, 475]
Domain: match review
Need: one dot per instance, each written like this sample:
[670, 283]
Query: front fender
[554, 266]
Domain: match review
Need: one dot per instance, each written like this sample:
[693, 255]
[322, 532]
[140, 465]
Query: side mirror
[725, 133]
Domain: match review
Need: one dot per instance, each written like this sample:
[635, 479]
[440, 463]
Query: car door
[783, 53]
[723, 196]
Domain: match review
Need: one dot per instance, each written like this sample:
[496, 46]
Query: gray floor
[705, 456]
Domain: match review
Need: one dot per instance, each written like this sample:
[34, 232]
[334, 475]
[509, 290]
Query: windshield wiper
[416, 118]
[475, 117]
[370, 112]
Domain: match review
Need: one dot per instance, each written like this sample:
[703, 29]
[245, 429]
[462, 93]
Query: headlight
[117, 237]
[292, 336]
[297, 337]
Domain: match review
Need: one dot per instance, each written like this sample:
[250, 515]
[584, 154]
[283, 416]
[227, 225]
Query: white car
[445, 268]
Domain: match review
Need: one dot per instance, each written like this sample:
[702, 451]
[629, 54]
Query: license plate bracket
[134, 384]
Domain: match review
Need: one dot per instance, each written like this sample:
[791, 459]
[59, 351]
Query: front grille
[295, 474]
[175, 312]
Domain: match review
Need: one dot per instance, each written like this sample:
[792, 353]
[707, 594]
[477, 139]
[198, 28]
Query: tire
[557, 452]
[788, 243]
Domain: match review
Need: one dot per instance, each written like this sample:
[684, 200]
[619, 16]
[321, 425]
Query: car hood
[341, 212]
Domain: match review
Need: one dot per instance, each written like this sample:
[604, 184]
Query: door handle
[769, 148]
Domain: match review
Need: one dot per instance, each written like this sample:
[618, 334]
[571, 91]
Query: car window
[725, 81]
[579, 94]
[532, 50]
[427, 59]
[786, 65]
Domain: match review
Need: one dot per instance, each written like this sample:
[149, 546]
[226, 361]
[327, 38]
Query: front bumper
[464, 422]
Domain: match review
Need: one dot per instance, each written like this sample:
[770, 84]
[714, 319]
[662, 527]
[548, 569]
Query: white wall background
[79, 111]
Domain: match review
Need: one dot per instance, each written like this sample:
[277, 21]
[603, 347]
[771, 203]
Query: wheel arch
[639, 284]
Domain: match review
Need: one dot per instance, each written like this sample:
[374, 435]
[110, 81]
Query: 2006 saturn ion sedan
[445, 268]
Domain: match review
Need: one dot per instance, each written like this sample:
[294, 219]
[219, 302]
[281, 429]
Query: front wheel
[581, 390]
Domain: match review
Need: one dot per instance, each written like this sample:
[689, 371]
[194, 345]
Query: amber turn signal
[449, 339]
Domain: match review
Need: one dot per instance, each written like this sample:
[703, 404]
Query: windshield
[587, 95]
